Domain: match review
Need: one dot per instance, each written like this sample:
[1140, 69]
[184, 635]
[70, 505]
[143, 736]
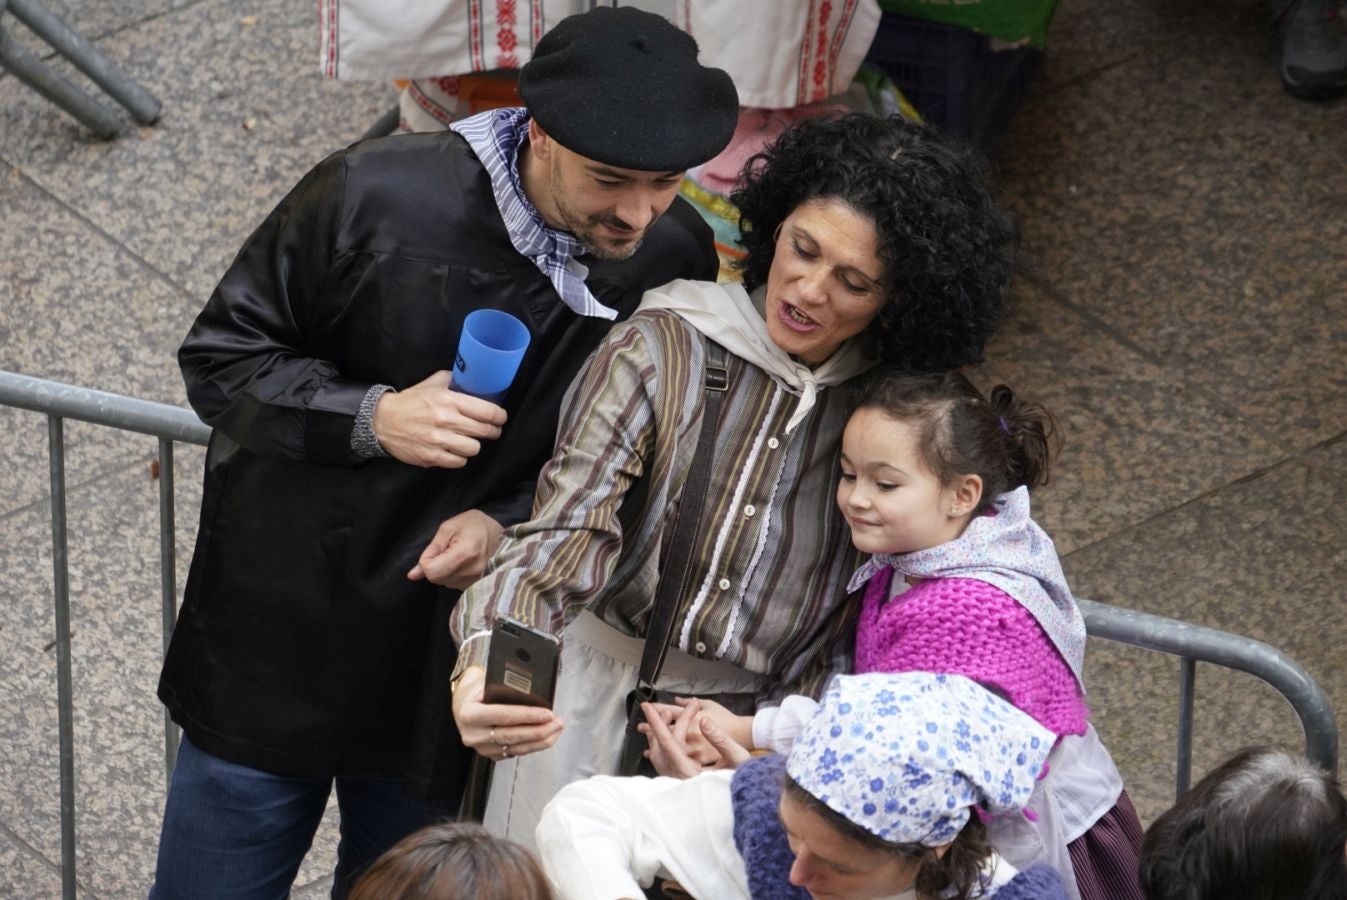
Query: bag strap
[672, 583]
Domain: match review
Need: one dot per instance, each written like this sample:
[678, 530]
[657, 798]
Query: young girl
[934, 484]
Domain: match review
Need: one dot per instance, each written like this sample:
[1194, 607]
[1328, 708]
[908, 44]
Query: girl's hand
[738, 728]
[668, 753]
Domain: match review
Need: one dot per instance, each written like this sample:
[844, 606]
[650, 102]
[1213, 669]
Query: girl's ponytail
[1005, 441]
[1033, 436]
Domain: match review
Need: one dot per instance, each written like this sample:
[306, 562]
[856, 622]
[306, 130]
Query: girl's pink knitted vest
[966, 627]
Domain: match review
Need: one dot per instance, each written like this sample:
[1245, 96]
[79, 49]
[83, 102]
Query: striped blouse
[770, 573]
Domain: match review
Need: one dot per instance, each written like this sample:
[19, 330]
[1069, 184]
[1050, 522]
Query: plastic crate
[952, 75]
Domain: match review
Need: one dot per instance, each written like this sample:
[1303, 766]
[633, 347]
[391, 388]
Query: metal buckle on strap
[717, 378]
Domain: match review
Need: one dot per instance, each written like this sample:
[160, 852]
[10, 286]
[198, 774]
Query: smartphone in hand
[521, 666]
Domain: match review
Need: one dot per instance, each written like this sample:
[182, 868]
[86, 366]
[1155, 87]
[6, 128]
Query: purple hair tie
[1004, 426]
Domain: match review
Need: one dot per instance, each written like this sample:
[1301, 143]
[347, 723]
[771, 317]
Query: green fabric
[1009, 20]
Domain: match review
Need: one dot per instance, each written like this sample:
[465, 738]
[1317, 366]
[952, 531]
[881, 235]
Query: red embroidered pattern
[840, 35]
[475, 35]
[328, 10]
[506, 39]
[423, 100]
[820, 89]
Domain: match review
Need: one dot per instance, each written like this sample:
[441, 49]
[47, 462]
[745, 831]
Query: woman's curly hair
[946, 246]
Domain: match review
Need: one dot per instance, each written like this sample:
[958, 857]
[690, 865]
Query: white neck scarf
[726, 314]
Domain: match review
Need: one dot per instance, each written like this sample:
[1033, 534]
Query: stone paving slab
[1087, 37]
[246, 113]
[99, 319]
[1208, 236]
[25, 874]
[1130, 445]
[1262, 559]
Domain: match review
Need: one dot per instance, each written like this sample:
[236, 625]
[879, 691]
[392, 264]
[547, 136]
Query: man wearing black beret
[312, 648]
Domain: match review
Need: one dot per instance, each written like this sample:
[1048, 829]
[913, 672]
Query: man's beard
[590, 231]
[605, 247]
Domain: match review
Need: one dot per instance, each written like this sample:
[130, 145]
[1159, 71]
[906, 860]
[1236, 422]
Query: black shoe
[1313, 39]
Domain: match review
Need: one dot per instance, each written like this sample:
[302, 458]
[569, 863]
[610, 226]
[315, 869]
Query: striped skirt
[1106, 858]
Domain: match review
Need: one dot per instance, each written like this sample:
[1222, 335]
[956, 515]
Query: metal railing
[86, 56]
[170, 424]
[1193, 643]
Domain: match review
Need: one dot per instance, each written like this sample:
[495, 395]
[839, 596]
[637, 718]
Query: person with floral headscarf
[884, 795]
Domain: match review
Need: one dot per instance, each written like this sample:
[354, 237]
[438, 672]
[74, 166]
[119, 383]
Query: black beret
[623, 87]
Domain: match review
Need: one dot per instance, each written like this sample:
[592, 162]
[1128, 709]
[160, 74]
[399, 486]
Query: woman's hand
[500, 730]
[668, 753]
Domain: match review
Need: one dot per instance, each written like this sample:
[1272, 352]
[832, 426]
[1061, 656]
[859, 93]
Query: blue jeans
[235, 832]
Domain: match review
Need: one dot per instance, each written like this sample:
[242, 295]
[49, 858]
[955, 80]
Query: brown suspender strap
[678, 564]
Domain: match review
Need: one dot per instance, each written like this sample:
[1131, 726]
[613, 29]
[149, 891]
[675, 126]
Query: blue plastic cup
[489, 351]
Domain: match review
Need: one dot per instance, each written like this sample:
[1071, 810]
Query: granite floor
[1181, 309]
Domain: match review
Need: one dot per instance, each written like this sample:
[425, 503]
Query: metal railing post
[1187, 682]
[64, 691]
[88, 59]
[55, 87]
[168, 587]
[1198, 642]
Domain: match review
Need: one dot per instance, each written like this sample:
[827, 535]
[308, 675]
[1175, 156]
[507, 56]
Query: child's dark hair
[957, 874]
[1265, 825]
[1005, 441]
[453, 861]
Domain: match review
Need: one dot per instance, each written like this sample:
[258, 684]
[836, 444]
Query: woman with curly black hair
[944, 243]
[869, 240]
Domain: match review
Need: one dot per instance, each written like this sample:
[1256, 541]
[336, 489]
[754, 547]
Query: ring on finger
[504, 751]
[493, 737]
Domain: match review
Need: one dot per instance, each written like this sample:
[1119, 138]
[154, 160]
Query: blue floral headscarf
[906, 756]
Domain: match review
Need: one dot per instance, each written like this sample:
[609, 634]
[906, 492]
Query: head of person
[453, 861]
[858, 224]
[1265, 825]
[884, 782]
[923, 454]
[619, 107]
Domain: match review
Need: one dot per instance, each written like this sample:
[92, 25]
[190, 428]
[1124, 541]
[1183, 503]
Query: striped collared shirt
[773, 557]
[496, 136]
